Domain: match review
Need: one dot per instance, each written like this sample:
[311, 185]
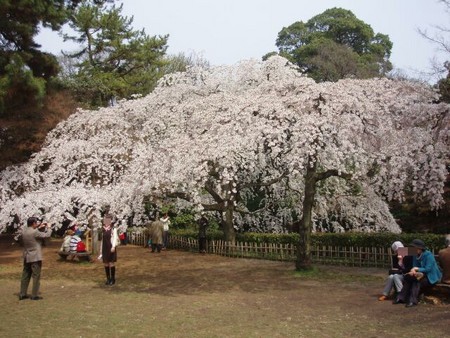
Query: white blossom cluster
[235, 129]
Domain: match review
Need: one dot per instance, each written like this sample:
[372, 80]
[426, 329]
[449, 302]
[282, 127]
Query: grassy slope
[23, 130]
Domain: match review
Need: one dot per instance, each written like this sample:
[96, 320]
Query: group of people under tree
[35, 232]
[73, 239]
[410, 273]
[111, 236]
[414, 272]
[158, 233]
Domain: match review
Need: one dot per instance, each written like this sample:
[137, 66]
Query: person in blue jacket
[424, 273]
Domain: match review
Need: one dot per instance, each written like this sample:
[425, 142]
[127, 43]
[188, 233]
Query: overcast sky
[224, 32]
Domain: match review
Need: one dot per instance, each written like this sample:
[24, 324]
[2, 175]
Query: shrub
[349, 239]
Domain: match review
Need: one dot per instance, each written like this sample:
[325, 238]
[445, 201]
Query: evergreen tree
[24, 69]
[334, 45]
[115, 60]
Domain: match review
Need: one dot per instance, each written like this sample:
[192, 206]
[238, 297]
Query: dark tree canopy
[23, 67]
[444, 85]
[335, 45]
[113, 60]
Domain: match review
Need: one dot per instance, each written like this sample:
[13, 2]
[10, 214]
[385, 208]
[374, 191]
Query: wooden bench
[442, 287]
[82, 256]
[437, 294]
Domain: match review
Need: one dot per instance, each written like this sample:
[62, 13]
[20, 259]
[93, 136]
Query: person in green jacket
[424, 273]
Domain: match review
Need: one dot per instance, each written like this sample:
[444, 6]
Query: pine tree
[115, 60]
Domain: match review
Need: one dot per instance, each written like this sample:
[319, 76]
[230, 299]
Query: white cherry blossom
[223, 135]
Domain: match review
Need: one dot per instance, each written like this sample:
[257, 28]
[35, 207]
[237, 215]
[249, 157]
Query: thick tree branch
[214, 207]
[209, 188]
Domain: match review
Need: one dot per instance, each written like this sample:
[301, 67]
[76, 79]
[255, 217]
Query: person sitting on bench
[65, 247]
[400, 265]
[74, 243]
[424, 273]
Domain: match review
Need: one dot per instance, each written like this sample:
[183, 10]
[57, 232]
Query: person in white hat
[395, 278]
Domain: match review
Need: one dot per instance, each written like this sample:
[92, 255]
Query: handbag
[81, 247]
[419, 276]
[115, 237]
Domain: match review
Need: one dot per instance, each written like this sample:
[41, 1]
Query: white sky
[224, 32]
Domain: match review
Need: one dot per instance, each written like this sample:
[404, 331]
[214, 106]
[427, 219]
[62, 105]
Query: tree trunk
[303, 261]
[227, 223]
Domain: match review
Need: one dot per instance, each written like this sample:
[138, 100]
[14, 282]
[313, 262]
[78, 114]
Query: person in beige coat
[32, 257]
[156, 230]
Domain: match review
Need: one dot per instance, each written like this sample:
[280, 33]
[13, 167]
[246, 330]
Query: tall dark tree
[334, 45]
[444, 85]
[24, 69]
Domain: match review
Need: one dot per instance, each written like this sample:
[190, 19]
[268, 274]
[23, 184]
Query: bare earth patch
[180, 294]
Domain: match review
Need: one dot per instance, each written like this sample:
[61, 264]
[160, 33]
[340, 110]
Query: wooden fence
[331, 255]
[137, 238]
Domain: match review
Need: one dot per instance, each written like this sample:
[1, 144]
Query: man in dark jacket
[32, 257]
[202, 225]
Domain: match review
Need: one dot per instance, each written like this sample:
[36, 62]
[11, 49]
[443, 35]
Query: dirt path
[179, 294]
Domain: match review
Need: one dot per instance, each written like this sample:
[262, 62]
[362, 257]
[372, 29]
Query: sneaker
[382, 298]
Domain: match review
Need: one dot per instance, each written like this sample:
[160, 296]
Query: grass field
[179, 294]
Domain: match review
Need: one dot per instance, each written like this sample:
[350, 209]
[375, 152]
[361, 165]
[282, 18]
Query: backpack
[81, 247]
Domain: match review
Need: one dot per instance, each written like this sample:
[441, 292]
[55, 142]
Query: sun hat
[418, 244]
[396, 245]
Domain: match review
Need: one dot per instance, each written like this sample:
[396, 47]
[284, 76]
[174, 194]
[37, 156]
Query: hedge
[348, 239]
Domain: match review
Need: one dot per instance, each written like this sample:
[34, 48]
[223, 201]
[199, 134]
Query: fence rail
[331, 255]
[137, 238]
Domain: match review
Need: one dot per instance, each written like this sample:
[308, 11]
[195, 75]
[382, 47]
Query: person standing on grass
[202, 226]
[166, 222]
[32, 257]
[108, 253]
[156, 231]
